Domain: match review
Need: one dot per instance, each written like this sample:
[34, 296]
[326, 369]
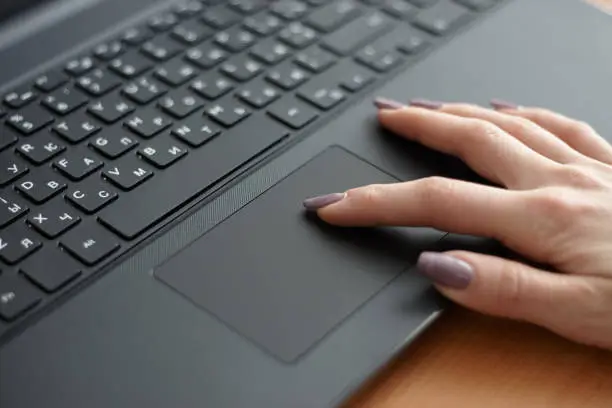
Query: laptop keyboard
[99, 151]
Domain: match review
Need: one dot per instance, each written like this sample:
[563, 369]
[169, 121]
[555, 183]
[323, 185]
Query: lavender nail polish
[445, 270]
[501, 104]
[315, 203]
[383, 103]
[426, 104]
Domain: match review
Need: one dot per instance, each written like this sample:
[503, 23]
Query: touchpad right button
[282, 277]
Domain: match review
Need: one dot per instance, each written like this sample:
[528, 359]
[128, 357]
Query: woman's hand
[555, 208]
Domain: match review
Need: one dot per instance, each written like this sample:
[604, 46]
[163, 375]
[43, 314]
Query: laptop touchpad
[280, 276]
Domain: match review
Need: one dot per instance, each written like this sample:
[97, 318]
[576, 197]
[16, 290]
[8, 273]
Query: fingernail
[316, 203]
[445, 270]
[383, 103]
[426, 103]
[501, 104]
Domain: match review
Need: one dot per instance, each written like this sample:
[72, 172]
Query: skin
[553, 206]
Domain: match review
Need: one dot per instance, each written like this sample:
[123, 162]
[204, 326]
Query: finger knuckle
[580, 128]
[579, 176]
[370, 196]
[510, 291]
[432, 189]
[563, 206]
[482, 129]
[523, 126]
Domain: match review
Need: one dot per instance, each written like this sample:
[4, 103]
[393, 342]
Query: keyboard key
[7, 137]
[51, 269]
[315, 59]
[287, 76]
[111, 109]
[220, 17]
[80, 66]
[477, 5]
[11, 168]
[227, 113]
[89, 244]
[188, 9]
[400, 9]
[148, 122]
[50, 81]
[175, 72]
[162, 152]
[40, 149]
[235, 39]
[334, 15]
[442, 18]
[241, 68]
[41, 186]
[91, 195]
[16, 243]
[76, 128]
[136, 36]
[113, 143]
[144, 90]
[258, 94]
[78, 163]
[162, 22]
[180, 103]
[263, 24]
[323, 97]
[356, 79]
[380, 60]
[64, 100]
[161, 48]
[191, 32]
[206, 56]
[212, 85]
[247, 6]
[358, 33]
[298, 35]
[108, 51]
[20, 97]
[197, 171]
[11, 208]
[17, 296]
[128, 173]
[53, 219]
[270, 51]
[196, 131]
[130, 65]
[289, 9]
[293, 113]
[98, 82]
[30, 120]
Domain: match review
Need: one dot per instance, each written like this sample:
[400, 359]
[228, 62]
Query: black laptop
[154, 155]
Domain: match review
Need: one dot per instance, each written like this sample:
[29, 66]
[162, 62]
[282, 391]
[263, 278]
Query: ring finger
[483, 146]
[528, 132]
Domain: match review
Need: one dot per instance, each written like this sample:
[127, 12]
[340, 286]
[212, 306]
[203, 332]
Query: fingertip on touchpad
[281, 277]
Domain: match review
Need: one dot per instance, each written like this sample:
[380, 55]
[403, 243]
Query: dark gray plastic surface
[280, 276]
[130, 341]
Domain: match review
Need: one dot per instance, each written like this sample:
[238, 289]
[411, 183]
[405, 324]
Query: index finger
[444, 204]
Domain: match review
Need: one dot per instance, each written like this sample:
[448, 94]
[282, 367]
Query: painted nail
[426, 103]
[501, 104]
[445, 270]
[316, 203]
[383, 103]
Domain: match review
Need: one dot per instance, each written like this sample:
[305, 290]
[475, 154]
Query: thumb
[504, 288]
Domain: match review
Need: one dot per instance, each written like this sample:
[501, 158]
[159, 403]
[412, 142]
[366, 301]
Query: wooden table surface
[469, 360]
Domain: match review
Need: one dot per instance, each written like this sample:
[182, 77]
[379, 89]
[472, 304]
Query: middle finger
[528, 132]
[483, 146]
